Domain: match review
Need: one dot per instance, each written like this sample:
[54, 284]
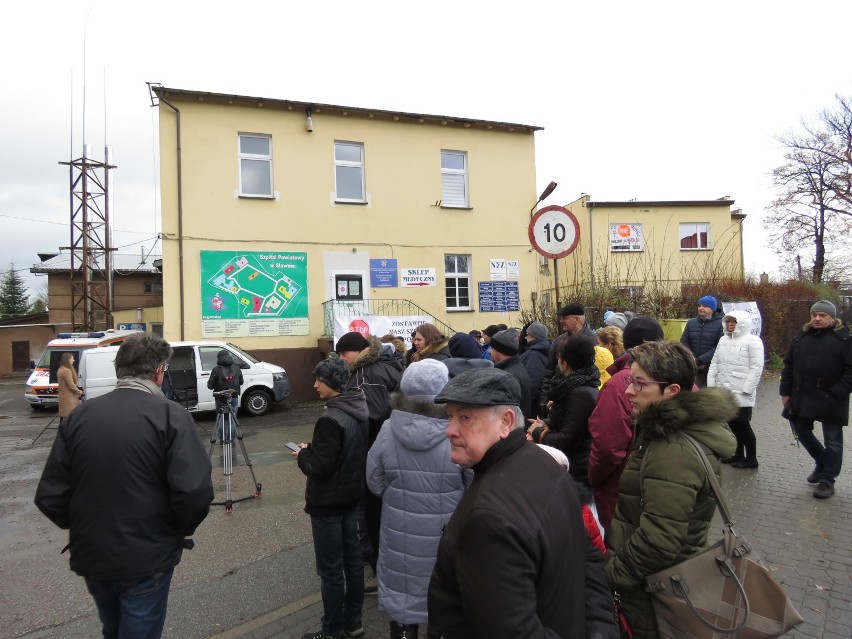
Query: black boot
[410, 631]
[396, 630]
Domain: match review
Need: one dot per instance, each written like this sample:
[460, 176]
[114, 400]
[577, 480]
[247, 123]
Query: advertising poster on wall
[254, 293]
[626, 237]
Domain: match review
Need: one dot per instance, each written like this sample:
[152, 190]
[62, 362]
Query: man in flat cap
[572, 321]
[815, 386]
[515, 559]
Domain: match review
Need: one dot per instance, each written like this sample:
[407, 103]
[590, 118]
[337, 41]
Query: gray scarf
[140, 384]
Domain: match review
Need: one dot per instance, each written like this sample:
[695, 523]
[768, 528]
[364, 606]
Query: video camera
[223, 397]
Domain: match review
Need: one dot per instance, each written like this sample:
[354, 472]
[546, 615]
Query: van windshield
[253, 360]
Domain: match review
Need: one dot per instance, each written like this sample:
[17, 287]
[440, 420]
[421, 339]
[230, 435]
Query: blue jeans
[828, 458]
[132, 609]
[340, 569]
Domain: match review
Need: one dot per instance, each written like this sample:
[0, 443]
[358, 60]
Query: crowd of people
[439, 470]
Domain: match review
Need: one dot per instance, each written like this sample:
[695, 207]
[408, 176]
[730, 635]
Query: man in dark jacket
[702, 334]
[534, 359]
[226, 376]
[815, 386]
[376, 370]
[515, 559]
[504, 354]
[334, 463]
[572, 321]
[128, 478]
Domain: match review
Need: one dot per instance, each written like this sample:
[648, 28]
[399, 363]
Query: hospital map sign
[254, 293]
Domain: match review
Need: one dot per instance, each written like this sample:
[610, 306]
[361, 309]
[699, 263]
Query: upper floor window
[694, 235]
[454, 179]
[349, 172]
[255, 155]
[457, 281]
[153, 288]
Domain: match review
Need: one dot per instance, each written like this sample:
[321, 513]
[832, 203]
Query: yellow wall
[400, 220]
[662, 261]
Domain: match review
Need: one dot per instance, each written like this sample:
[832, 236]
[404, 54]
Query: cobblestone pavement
[806, 542]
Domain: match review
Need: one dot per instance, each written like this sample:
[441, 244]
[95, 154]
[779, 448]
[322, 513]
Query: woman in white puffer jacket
[737, 366]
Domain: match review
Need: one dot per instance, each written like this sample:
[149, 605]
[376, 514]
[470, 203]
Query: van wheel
[36, 406]
[256, 402]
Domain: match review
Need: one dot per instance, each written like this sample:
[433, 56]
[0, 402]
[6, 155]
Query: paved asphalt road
[252, 573]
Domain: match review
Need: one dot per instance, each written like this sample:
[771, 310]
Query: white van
[189, 370]
[42, 389]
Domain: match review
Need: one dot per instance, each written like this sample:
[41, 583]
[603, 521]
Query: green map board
[253, 294]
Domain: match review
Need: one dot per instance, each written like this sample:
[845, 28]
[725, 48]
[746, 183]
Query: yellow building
[280, 216]
[660, 245]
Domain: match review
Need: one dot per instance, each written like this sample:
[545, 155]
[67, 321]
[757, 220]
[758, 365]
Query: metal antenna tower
[91, 243]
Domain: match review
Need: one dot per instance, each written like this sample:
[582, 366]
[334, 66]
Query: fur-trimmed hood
[703, 414]
[375, 351]
[418, 405]
[837, 328]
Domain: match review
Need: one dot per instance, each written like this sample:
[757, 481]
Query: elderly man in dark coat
[515, 559]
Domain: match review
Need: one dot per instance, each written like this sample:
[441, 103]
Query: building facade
[280, 218]
[655, 246]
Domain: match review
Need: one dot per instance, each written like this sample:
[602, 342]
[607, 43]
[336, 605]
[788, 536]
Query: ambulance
[42, 389]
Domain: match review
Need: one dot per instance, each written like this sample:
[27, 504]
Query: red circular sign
[360, 326]
[554, 232]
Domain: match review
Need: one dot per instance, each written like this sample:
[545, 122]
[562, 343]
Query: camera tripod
[228, 432]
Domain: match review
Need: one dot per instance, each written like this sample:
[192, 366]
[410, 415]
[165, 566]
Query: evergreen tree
[14, 298]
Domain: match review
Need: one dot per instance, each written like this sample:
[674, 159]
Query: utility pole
[91, 250]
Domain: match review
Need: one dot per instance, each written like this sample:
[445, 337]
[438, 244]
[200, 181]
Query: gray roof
[121, 263]
[339, 110]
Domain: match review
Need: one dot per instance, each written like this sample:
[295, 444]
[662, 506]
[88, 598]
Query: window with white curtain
[349, 172]
[255, 156]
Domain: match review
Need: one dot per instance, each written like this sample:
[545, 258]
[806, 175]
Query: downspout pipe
[591, 245]
[180, 213]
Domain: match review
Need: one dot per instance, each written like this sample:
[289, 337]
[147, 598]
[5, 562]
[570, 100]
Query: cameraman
[226, 376]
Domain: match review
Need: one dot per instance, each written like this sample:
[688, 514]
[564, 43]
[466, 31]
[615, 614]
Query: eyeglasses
[640, 384]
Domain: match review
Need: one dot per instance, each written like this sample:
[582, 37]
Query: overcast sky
[646, 100]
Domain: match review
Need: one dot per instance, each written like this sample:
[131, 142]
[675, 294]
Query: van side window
[209, 355]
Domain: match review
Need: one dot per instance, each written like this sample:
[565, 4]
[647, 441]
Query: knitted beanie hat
[824, 306]
[708, 301]
[424, 378]
[642, 329]
[333, 372]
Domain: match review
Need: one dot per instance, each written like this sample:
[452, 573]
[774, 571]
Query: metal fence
[353, 308]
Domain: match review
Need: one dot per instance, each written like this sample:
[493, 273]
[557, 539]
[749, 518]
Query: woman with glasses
[665, 502]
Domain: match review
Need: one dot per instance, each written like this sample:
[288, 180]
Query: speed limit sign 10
[554, 232]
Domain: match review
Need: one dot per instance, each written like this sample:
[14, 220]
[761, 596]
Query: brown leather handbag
[723, 593]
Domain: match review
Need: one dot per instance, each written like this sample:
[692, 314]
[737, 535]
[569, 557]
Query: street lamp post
[544, 195]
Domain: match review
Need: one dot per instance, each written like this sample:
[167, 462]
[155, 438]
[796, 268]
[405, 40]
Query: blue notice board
[499, 296]
[384, 273]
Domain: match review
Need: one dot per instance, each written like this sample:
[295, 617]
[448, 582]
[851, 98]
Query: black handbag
[723, 592]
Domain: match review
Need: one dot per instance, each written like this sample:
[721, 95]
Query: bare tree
[814, 208]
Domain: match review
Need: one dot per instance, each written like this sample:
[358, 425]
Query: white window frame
[458, 275]
[686, 229]
[350, 164]
[451, 174]
[255, 157]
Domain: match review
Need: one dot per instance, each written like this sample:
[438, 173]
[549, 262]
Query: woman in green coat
[667, 518]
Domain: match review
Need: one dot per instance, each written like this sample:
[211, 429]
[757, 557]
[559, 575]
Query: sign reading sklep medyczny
[417, 277]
